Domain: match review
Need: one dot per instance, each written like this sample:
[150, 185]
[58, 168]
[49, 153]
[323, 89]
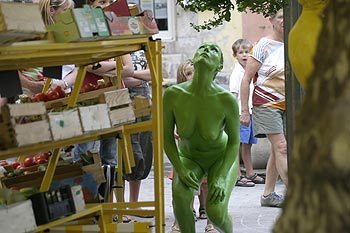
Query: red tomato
[3, 163]
[15, 164]
[46, 155]
[52, 95]
[28, 162]
[40, 96]
[19, 167]
[89, 87]
[41, 155]
[41, 161]
[34, 99]
[60, 91]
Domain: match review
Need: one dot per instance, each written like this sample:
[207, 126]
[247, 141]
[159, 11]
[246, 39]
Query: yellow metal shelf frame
[47, 53]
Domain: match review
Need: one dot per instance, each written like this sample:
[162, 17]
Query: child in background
[241, 49]
[184, 73]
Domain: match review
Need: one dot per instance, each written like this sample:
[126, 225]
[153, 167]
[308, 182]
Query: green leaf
[222, 9]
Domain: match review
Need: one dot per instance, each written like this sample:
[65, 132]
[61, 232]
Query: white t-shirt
[270, 84]
[235, 85]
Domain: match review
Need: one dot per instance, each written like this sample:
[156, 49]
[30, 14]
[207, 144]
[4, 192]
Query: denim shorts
[268, 121]
[141, 142]
[247, 133]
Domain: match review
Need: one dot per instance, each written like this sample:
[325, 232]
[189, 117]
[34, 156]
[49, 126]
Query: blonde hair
[45, 5]
[181, 71]
[245, 44]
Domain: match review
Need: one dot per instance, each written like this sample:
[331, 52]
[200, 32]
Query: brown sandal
[244, 182]
[202, 213]
[256, 179]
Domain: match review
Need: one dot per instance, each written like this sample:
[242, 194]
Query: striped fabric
[269, 83]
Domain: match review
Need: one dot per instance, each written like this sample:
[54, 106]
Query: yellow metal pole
[77, 86]
[50, 171]
[46, 85]
[119, 69]
[154, 54]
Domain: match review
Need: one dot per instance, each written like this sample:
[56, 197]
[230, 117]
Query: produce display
[30, 164]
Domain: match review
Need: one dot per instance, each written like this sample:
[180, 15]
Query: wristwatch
[65, 84]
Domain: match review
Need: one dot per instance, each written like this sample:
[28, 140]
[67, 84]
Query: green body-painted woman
[207, 120]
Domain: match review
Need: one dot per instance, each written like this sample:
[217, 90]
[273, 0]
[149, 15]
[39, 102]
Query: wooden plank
[82, 97]
[94, 117]
[35, 178]
[141, 102]
[65, 124]
[7, 138]
[142, 112]
[117, 97]
[122, 116]
[32, 133]
[25, 109]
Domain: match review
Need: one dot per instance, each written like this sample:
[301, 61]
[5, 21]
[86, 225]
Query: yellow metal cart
[47, 53]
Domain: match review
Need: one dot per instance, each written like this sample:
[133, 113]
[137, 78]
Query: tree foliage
[222, 9]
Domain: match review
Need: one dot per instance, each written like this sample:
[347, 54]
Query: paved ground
[248, 216]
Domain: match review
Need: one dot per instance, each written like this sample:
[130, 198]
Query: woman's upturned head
[211, 54]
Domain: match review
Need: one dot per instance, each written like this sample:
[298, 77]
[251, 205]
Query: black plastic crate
[53, 204]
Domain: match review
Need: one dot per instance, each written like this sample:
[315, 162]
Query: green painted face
[209, 54]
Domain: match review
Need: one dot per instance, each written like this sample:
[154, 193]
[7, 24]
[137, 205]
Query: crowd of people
[204, 149]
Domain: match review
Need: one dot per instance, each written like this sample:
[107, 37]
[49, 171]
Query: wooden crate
[142, 106]
[17, 217]
[24, 124]
[94, 117]
[35, 178]
[120, 107]
[20, 22]
[82, 97]
[65, 124]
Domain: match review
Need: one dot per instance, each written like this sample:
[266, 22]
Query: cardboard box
[19, 22]
[65, 124]
[18, 217]
[80, 24]
[24, 124]
[94, 117]
[133, 25]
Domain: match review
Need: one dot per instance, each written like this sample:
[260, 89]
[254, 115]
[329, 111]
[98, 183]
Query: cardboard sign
[80, 24]
[11, 85]
[132, 25]
[53, 72]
